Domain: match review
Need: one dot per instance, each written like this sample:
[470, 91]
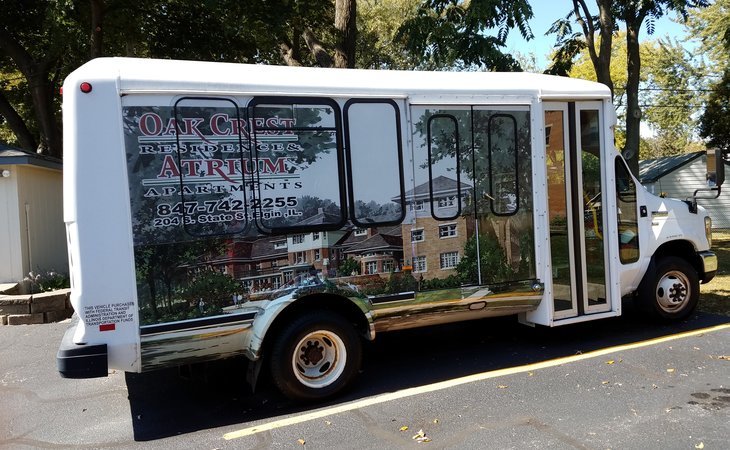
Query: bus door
[573, 145]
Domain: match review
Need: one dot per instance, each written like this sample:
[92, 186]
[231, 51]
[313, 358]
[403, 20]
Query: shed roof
[12, 155]
[650, 170]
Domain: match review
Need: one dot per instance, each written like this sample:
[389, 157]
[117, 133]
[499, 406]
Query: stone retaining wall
[27, 309]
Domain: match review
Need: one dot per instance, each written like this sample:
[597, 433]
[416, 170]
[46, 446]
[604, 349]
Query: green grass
[715, 295]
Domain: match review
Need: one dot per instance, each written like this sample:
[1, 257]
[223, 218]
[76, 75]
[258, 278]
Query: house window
[278, 245]
[448, 230]
[447, 202]
[419, 264]
[388, 265]
[360, 232]
[449, 260]
[317, 255]
[371, 267]
[300, 257]
[418, 205]
[417, 235]
[297, 239]
[548, 129]
[315, 236]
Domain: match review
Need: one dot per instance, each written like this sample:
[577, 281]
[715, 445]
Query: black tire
[315, 356]
[670, 291]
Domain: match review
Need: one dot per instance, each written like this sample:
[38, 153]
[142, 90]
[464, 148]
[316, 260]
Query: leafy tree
[494, 267]
[670, 98]
[634, 14]
[35, 36]
[211, 287]
[455, 33]
[712, 25]
[715, 121]
[378, 23]
[348, 267]
[595, 35]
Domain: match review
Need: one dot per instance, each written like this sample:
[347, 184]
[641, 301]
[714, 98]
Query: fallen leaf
[700, 445]
[670, 370]
[502, 386]
[421, 437]
[301, 441]
[404, 428]
[610, 361]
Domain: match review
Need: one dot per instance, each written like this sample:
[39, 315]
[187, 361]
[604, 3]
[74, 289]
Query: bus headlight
[708, 230]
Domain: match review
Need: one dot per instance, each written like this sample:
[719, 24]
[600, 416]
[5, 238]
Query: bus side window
[443, 151]
[296, 165]
[628, 227]
[374, 162]
[209, 164]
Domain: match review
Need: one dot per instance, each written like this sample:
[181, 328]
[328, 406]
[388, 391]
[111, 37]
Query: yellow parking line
[459, 381]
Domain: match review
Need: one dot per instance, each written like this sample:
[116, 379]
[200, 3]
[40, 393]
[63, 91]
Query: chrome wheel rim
[319, 359]
[673, 292]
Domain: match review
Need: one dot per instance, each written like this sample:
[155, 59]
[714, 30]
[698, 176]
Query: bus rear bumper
[709, 265]
[81, 360]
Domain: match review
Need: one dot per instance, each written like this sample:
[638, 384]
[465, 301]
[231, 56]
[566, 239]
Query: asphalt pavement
[616, 383]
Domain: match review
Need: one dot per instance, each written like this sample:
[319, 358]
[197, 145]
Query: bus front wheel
[671, 291]
[315, 356]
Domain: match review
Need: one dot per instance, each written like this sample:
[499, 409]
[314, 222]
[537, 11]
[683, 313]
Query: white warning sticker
[109, 313]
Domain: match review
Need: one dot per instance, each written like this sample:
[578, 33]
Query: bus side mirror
[715, 169]
[715, 177]
[719, 173]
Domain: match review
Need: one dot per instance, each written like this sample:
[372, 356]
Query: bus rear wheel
[671, 291]
[315, 357]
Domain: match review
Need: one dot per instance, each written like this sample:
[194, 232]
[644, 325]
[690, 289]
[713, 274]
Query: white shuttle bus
[286, 214]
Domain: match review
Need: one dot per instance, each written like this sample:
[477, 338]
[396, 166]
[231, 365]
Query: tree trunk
[41, 92]
[346, 26]
[604, 56]
[633, 112]
[26, 140]
[97, 33]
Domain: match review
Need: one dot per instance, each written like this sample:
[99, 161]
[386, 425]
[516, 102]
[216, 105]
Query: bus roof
[156, 75]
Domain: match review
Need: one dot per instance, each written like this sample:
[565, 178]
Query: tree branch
[287, 54]
[318, 51]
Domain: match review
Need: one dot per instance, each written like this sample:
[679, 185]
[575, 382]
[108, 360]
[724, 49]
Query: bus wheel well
[322, 302]
[681, 249]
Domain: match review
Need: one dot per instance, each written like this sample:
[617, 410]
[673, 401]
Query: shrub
[47, 281]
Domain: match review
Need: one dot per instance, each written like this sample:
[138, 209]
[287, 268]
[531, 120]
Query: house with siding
[679, 176]
[32, 232]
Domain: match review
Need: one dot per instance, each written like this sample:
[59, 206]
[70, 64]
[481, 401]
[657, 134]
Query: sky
[548, 11]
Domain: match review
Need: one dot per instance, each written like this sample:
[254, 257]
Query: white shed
[32, 232]
[679, 176]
